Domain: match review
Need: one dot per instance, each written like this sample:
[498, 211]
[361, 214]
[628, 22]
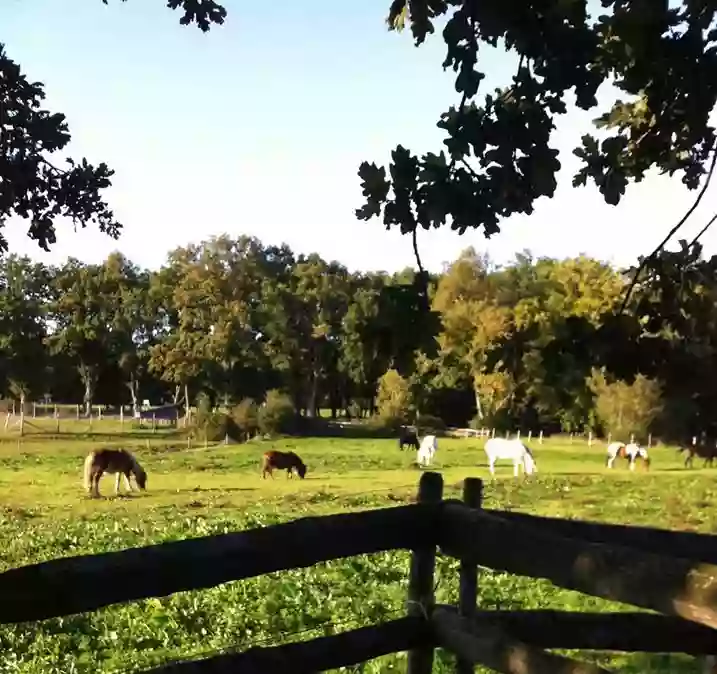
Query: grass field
[201, 491]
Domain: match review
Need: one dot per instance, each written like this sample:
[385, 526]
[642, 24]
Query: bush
[428, 422]
[246, 417]
[215, 427]
[625, 409]
[394, 400]
[277, 415]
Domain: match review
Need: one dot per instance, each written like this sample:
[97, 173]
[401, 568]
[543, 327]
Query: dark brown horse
[705, 451]
[406, 436]
[288, 461]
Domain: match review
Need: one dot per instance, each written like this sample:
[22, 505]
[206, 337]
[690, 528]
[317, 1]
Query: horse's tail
[87, 473]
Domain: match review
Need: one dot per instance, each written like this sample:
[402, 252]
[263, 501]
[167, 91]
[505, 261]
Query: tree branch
[670, 234]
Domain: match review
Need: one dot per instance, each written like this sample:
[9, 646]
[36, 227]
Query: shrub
[428, 422]
[624, 409]
[394, 399]
[277, 415]
[215, 427]
[246, 417]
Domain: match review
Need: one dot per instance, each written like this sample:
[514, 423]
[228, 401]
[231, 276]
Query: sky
[258, 127]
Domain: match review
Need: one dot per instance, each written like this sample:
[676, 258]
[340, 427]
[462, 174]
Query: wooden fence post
[420, 582]
[468, 587]
[540, 438]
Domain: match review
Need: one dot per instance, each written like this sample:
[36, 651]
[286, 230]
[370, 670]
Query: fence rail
[665, 571]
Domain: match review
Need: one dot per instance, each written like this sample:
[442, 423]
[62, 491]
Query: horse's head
[301, 469]
[529, 463]
[140, 476]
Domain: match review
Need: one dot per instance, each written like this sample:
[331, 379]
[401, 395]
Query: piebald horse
[520, 454]
[631, 451]
[121, 462]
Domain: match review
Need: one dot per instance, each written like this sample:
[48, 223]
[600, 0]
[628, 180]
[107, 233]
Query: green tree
[474, 328]
[304, 310]
[82, 313]
[625, 409]
[498, 159]
[33, 184]
[23, 297]
[394, 400]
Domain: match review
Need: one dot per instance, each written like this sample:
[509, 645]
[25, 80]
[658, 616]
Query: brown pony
[703, 450]
[288, 461]
[118, 461]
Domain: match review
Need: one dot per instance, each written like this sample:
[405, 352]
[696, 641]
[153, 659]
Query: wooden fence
[673, 574]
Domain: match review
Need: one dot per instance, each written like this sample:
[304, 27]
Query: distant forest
[535, 344]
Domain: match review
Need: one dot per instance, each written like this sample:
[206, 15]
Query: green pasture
[199, 491]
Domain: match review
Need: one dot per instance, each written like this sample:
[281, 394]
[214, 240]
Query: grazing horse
[635, 452]
[288, 461]
[118, 461]
[501, 448]
[703, 450]
[407, 437]
[428, 448]
[616, 450]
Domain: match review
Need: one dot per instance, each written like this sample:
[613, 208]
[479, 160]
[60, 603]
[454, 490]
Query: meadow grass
[195, 492]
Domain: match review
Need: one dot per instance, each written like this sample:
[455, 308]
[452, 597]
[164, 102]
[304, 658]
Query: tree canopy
[498, 159]
[534, 344]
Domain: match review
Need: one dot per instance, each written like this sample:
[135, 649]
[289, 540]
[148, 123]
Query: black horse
[705, 451]
[408, 437]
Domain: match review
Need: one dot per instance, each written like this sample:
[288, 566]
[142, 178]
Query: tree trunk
[22, 413]
[311, 410]
[186, 404]
[88, 375]
[133, 385]
[479, 406]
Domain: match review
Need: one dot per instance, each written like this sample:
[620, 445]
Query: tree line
[537, 343]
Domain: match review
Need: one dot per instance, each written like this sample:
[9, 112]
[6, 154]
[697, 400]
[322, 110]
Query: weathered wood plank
[686, 544]
[499, 651]
[421, 595]
[669, 585]
[316, 655]
[468, 578]
[85, 583]
[628, 632]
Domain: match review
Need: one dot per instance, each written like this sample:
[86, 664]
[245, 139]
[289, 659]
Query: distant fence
[672, 573]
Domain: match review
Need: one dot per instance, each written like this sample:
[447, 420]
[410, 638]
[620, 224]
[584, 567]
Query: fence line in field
[634, 565]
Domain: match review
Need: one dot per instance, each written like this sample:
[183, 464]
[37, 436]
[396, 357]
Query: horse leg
[128, 482]
[516, 465]
[96, 483]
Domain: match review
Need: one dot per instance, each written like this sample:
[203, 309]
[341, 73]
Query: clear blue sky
[259, 126]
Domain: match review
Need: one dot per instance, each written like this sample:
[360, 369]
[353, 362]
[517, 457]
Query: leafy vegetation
[231, 320]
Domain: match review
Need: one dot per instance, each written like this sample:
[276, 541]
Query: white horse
[500, 448]
[428, 448]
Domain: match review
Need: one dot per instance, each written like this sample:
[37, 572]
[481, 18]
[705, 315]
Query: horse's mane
[528, 450]
[136, 466]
